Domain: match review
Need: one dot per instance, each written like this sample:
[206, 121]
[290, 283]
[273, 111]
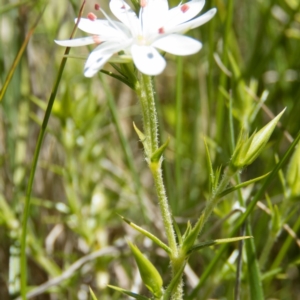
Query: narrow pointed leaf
[210, 167]
[217, 242]
[188, 230]
[254, 277]
[189, 241]
[146, 233]
[159, 152]
[177, 231]
[241, 185]
[217, 177]
[128, 293]
[139, 133]
[173, 283]
[92, 294]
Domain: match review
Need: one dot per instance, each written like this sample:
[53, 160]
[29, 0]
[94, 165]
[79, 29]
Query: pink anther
[161, 30]
[143, 3]
[97, 39]
[91, 16]
[97, 6]
[184, 8]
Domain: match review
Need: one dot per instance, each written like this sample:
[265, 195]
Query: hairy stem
[144, 89]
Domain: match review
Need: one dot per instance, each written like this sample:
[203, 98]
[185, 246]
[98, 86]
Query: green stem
[164, 208]
[178, 147]
[144, 89]
[34, 165]
[145, 92]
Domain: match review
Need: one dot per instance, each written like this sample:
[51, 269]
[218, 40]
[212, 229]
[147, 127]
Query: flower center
[140, 40]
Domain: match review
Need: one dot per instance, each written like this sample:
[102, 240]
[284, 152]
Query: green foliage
[91, 166]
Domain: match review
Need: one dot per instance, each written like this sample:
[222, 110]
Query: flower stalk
[144, 89]
[145, 92]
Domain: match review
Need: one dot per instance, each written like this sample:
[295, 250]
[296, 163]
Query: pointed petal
[125, 14]
[178, 44]
[193, 23]
[76, 42]
[147, 59]
[153, 15]
[102, 27]
[95, 64]
[183, 13]
[100, 55]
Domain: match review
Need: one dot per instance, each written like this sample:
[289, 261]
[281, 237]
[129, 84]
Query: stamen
[143, 3]
[184, 8]
[92, 16]
[96, 39]
[123, 6]
[97, 6]
[161, 30]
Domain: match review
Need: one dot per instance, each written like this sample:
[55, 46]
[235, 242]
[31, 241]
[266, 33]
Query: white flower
[157, 26]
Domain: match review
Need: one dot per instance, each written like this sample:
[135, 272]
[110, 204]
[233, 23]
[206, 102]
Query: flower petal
[95, 64]
[103, 27]
[183, 13]
[147, 59]
[153, 16]
[76, 42]
[193, 23]
[100, 55]
[125, 14]
[178, 44]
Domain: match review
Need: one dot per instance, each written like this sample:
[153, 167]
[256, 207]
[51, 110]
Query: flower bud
[248, 149]
[150, 276]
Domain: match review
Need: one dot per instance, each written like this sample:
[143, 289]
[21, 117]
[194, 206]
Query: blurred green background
[92, 166]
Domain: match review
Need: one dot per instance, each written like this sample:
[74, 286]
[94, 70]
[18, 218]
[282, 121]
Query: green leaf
[139, 133]
[92, 294]
[217, 177]
[150, 276]
[190, 239]
[188, 230]
[217, 242]
[254, 277]
[174, 282]
[177, 230]
[152, 237]
[210, 167]
[155, 157]
[241, 185]
[128, 293]
[293, 173]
